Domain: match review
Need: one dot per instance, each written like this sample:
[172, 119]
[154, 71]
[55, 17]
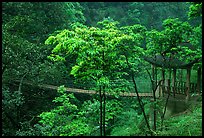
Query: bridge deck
[75, 90]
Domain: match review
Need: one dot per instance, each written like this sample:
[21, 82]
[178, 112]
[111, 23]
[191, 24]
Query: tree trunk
[154, 88]
[101, 115]
[162, 117]
[163, 82]
[154, 83]
[104, 112]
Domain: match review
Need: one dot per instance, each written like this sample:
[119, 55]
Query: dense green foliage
[130, 13]
[95, 46]
[175, 38]
[195, 9]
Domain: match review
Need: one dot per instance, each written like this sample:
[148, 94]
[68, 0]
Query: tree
[25, 27]
[131, 48]
[100, 53]
[195, 9]
[96, 55]
[175, 36]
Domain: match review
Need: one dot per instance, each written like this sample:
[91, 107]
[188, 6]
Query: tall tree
[96, 57]
[100, 53]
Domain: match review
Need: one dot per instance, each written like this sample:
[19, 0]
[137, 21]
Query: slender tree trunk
[155, 113]
[154, 88]
[154, 83]
[162, 118]
[19, 89]
[163, 82]
[104, 99]
[104, 112]
[101, 115]
[165, 107]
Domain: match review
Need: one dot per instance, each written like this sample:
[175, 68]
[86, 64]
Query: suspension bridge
[162, 90]
[84, 91]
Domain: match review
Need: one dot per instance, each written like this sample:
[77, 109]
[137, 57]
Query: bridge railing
[179, 87]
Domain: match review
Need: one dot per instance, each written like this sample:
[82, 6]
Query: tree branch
[138, 97]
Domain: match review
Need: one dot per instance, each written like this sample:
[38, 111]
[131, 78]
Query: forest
[101, 68]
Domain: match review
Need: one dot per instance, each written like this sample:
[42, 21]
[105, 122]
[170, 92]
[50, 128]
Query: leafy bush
[63, 120]
[127, 124]
[11, 104]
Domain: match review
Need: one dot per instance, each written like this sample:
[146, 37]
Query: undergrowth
[187, 124]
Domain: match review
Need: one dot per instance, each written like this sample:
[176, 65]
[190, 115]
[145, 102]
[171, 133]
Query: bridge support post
[168, 86]
[198, 80]
[174, 82]
[169, 83]
[163, 83]
[188, 81]
[153, 77]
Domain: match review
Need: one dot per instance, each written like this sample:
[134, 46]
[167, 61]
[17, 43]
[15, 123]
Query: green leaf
[75, 70]
[50, 40]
